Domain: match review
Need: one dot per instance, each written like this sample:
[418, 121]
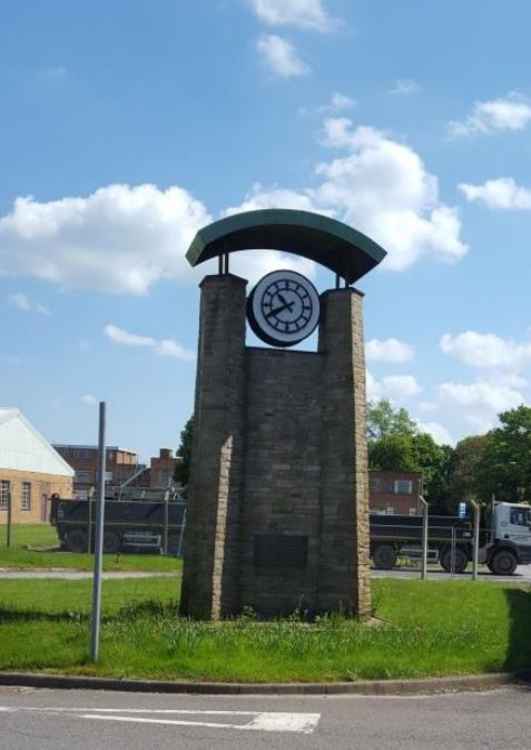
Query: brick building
[395, 492]
[121, 466]
[30, 470]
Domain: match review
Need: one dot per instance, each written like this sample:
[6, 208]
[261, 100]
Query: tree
[184, 452]
[465, 482]
[397, 444]
[505, 466]
[383, 420]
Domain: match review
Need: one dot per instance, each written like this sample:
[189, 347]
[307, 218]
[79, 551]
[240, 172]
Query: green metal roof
[331, 243]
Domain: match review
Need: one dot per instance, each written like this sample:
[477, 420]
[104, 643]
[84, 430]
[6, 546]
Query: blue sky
[126, 126]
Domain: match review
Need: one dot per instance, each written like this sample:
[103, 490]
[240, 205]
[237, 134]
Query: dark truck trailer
[393, 535]
[504, 542]
[129, 525]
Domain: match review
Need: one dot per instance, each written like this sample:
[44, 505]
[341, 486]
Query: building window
[376, 484]
[5, 488]
[390, 511]
[25, 502]
[403, 487]
[84, 476]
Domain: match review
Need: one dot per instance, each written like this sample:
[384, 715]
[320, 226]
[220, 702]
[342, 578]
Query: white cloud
[438, 432]
[405, 87]
[428, 406]
[119, 239]
[390, 350]
[383, 189]
[486, 350]
[512, 112]
[281, 56]
[338, 103]
[400, 386]
[162, 347]
[302, 14]
[393, 387]
[502, 193]
[22, 302]
[483, 394]
[89, 400]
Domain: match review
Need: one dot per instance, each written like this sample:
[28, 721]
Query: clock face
[283, 308]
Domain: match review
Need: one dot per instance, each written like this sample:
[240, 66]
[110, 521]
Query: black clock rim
[266, 338]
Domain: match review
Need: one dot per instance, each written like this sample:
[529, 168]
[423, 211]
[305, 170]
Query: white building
[30, 470]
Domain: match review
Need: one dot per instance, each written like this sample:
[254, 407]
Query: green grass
[45, 536]
[428, 628]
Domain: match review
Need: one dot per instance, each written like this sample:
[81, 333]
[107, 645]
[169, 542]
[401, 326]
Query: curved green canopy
[347, 252]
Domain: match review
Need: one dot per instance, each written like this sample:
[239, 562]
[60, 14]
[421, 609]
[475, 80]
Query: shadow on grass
[126, 613]
[518, 658]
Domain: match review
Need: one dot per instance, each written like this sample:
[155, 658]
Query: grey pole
[424, 568]
[475, 547]
[98, 547]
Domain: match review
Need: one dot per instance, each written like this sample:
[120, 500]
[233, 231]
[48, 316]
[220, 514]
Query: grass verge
[44, 535]
[429, 628]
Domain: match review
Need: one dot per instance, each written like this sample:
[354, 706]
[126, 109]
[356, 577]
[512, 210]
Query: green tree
[383, 420]
[505, 466]
[184, 453]
[397, 444]
[393, 453]
[465, 481]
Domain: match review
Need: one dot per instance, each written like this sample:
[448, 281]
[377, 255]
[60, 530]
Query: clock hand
[282, 299]
[287, 306]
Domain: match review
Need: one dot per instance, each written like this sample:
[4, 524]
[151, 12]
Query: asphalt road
[92, 720]
[522, 574]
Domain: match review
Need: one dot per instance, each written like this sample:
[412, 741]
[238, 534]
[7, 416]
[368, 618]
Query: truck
[130, 525]
[504, 540]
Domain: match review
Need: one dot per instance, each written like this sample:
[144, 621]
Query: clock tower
[278, 496]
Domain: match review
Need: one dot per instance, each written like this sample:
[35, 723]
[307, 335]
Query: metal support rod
[98, 546]
[338, 281]
[89, 536]
[181, 535]
[226, 263]
[220, 264]
[424, 567]
[8, 530]
[475, 547]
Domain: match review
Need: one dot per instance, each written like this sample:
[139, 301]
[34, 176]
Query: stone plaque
[280, 551]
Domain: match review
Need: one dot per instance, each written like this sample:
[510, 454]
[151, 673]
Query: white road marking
[260, 721]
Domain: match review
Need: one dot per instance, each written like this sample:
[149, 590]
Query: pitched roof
[23, 448]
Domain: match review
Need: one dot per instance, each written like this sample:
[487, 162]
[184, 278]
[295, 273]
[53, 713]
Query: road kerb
[361, 687]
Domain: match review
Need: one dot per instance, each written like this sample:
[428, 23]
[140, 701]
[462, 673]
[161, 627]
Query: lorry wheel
[503, 563]
[111, 542]
[460, 560]
[76, 540]
[384, 557]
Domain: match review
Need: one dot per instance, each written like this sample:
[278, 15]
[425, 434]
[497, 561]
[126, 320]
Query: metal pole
[8, 540]
[98, 547]
[165, 548]
[475, 547]
[452, 553]
[424, 567]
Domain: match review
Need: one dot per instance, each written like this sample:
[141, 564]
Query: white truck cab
[509, 542]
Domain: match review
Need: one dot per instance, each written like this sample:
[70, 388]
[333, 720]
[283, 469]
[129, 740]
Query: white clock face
[283, 308]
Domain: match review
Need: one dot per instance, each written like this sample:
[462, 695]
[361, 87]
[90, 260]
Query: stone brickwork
[211, 547]
[278, 498]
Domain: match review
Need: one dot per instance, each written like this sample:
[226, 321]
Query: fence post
[452, 553]
[89, 535]
[98, 547]
[424, 567]
[475, 546]
[181, 534]
[8, 530]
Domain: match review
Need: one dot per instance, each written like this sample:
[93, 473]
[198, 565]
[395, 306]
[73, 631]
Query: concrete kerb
[362, 687]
